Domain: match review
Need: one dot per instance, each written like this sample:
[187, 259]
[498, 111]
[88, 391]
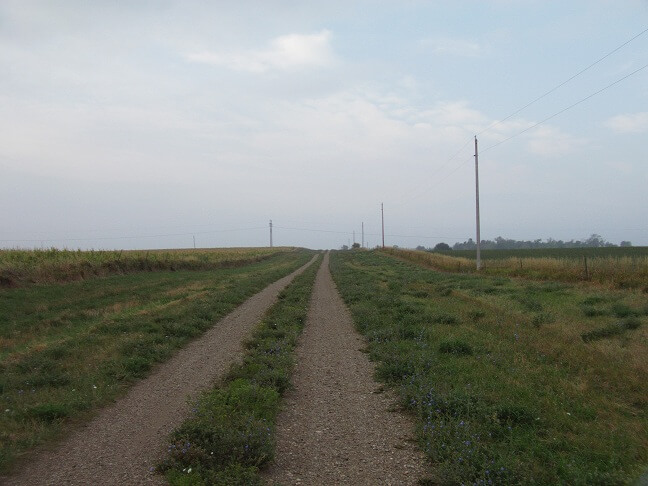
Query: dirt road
[126, 440]
[335, 428]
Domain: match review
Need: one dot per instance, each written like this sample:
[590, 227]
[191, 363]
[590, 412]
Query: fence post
[586, 271]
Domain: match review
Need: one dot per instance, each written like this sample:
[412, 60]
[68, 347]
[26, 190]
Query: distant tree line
[499, 243]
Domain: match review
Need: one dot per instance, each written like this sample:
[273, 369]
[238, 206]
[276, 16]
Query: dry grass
[617, 272]
[23, 267]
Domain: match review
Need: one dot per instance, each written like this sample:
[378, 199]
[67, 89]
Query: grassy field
[67, 349]
[510, 381]
[231, 433]
[612, 271]
[24, 267]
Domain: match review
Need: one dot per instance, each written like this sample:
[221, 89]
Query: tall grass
[23, 267]
[619, 272]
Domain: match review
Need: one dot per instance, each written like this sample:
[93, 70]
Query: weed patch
[611, 330]
[445, 319]
[456, 346]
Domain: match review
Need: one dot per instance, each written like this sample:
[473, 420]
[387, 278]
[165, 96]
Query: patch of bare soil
[126, 440]
[336, 426]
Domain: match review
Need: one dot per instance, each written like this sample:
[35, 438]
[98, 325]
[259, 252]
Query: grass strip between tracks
[511, 381]
[231, 432]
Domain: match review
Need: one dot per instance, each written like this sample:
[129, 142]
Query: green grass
[68, 349]
[230, 435]
[505, 388]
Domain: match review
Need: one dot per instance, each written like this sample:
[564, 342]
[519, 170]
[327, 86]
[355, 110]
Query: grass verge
[66, 350]
[230, 434]
[504, 387]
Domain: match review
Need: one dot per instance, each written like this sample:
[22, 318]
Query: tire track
[127, 439]
[335, 427]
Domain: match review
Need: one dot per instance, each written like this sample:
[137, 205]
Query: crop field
[67, 349]
[563, 253]
[619, 269]
[510, 381]
[23, 267]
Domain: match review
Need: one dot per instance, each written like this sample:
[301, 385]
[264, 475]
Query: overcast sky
[139, 124]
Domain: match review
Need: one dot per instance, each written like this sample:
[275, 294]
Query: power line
[131, 237]
[347, 233]
[437, 183]
[563, 83]
[494, 124]
[315, 230]
[568, 108]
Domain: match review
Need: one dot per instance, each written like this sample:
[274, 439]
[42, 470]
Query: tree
[420, 248]
[625, 243]
[344, 247]
[355, 245]
[595, 241]
[442, 247]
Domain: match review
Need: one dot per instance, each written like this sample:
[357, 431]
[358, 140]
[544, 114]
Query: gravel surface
[127, 439]
[336, 427]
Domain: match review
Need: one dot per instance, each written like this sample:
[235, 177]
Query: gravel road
[126, 439]
[336, 428]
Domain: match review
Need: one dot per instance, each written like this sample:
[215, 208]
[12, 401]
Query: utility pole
[382, 216]
[270, 233]
[354, 237]
[362, 235]
[477, 204]
[194, 238]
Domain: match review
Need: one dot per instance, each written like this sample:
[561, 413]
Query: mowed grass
[67, 349]
[510, 381]
[231, 433]
[621, 269]
[25, 267]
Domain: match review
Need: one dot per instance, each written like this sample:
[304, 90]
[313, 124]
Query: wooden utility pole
[362, 235]
[477, 204]
[382, 216]
[270, 233]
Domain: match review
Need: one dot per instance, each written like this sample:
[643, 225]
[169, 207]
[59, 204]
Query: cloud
[549, 142]
[454, 47]
[629, 123]
[286, 52]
